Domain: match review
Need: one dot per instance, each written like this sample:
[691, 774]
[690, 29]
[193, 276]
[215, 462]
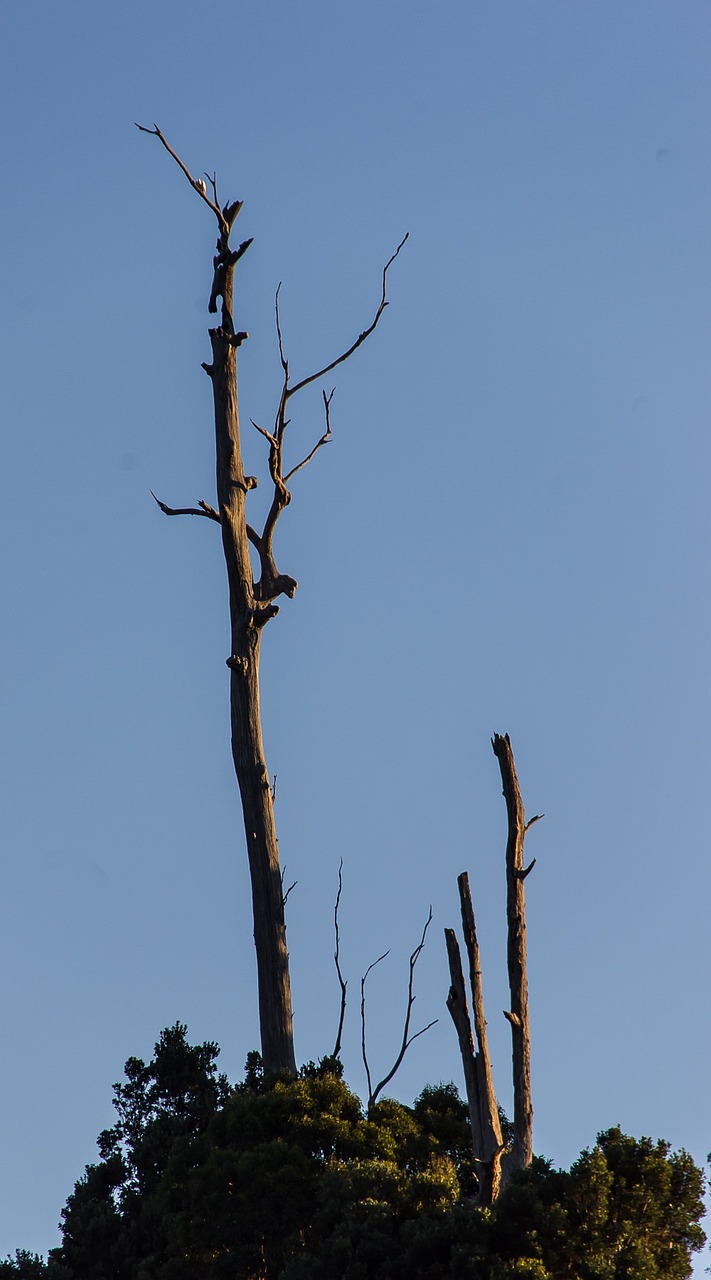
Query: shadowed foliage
[281, 1179]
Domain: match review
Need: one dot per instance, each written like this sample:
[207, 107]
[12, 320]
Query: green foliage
[281, 1179]
[627, 1210]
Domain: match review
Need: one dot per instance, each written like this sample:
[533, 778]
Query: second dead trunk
[493, 1163]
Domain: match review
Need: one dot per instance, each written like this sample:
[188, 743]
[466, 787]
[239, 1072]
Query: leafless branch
[267, 434]
[342, 982]
[536, 818]
[407, 1039]
[282, 496]
[346, 355]
[282, 357]
[202, 509]
[291, 886]
[327, 435]
[196, 183]
[526, 871]
[362, 1019]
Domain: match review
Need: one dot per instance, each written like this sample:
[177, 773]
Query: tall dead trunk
[251, 606]
[246, 620]
[522, 1150]
[248, 614]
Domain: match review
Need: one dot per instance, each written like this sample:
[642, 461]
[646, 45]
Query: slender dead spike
[522, 1152]
[337, 959]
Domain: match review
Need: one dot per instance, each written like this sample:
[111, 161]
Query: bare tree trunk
[247, 617]
[522, 1151]
[251, 604]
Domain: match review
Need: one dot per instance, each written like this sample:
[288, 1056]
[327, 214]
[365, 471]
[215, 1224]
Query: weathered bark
[247, 616]
[522, 1151]
[493, 1145]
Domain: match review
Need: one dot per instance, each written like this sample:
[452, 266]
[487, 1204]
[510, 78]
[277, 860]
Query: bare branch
[536, 818]
[267, 434]
[202, 509]
[362, 1019]
[327, 435]
[291, 886]
[407, 1039]
[346, 355]
[282, 496]
[343, 983]
[526, 870]
[197, 184]
[282, 357]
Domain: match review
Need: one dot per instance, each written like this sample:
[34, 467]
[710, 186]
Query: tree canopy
[281, 1179]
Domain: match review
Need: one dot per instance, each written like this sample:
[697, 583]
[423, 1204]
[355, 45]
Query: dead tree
[494, 1161]
[487, 1141]
[251, 602]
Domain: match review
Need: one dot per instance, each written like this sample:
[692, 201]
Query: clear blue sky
[509, 532]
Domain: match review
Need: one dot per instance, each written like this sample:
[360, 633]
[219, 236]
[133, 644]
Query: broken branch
[202, 509]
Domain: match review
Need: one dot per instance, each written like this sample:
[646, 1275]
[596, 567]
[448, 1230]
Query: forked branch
[196, 183]
[407, 1039]
[280, 478]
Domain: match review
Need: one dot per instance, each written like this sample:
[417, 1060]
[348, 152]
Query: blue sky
[508, 533]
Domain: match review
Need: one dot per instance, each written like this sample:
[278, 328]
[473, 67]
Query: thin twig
[407, 1039]
[282, 357]
[362, 1021]
[313, 377]
[291, 886]
[197, 184]
[267, 434]
[536, 818]
[327, 435]
[343, 983]
[282, 496]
